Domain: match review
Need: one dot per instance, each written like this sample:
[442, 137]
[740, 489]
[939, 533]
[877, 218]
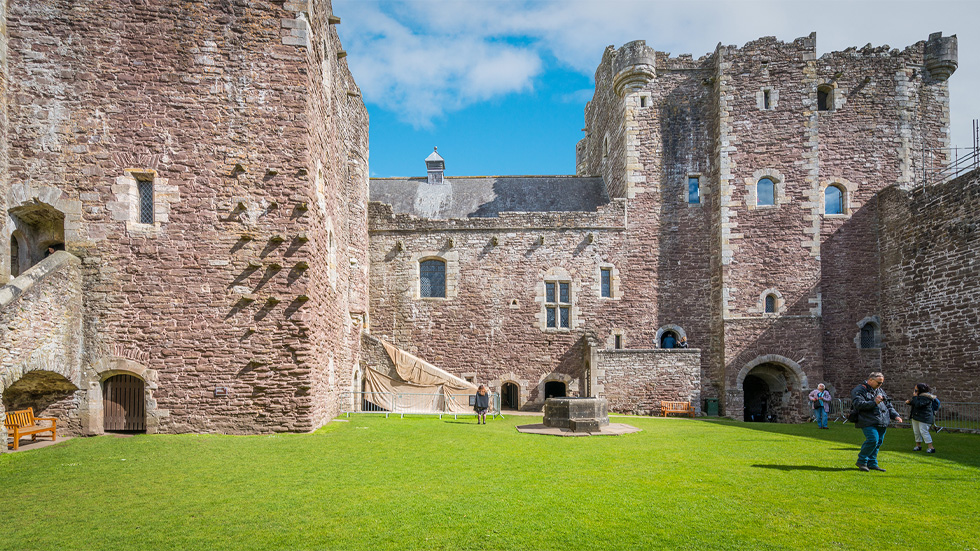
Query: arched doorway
[124, 404]
[14, 256]
[668, 340]
[36, 227]
[509, 396]
[768, 390]
[554, 389]
[48, 393]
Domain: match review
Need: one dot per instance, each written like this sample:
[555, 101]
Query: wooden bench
[22, 423]
[684, 408]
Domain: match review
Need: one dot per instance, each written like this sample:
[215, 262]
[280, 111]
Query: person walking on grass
[482, 404]
[820, 401]
[875, 412]
[923, 413]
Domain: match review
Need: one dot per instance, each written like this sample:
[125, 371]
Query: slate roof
[488, 196]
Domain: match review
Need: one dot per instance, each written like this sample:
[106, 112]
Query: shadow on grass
[959, 447]
[803, 468]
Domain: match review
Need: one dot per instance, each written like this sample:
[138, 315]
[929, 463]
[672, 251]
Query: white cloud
[423, 59]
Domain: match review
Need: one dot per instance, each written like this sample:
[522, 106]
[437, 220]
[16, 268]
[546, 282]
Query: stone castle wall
[636, 381]
[41, 342]
[229, 109]
[491, 325]
[930, 242]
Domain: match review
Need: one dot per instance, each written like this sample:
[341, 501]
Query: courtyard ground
[425, 483]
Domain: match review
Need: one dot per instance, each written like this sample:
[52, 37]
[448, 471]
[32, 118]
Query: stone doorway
[509, 396]
[37, 228]
[554, 389]
[124, 404]
[768, 391]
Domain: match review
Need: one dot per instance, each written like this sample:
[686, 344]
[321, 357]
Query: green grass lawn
[423, 483]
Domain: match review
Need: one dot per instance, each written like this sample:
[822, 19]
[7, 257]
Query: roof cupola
[435, 165]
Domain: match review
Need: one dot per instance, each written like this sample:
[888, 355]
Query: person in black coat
[923, 406]
[482, 404]
[875, 412]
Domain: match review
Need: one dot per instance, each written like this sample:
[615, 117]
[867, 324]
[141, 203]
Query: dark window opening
[643, 101]
[693, 190]
[765, 192]
[766, 100]
[770, 304]
[146, 201]
[432, 279]
[554, 389]
[668, 340]
[619, 342]
[606, 282]
[869, 336]
[824, 98]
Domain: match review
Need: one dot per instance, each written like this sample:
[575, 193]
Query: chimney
[435, 165]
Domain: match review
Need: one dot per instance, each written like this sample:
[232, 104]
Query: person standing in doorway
[923, 413]
[820, 402]
[875, 412]
[482, 404]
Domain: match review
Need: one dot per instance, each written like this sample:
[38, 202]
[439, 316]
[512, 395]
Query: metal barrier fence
[952, 415]
[407, 403]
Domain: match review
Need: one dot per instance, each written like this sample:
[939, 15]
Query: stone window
[145, 189]
[558, 304]
[833, 200]
[608, 282]
[143, 202]
[432, 278]
[766, 188]
[825, 97]
[766, 98]
[693, 190]
[618, 342]
[765, 191]
[770, 302]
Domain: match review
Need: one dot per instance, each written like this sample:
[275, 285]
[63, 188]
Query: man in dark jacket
[875, 412]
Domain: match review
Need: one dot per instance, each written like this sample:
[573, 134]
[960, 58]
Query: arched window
[825, 98]
[605, 147]
[770, 304]
[833, 200]
[869, 335]
[668, 340]
[765, 192]
[432, 279]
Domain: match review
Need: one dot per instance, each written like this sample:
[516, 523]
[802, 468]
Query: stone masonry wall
[336, 222]
[930, 243]
[213, 103]
[491, 326]
[636, 381]
[41, 342]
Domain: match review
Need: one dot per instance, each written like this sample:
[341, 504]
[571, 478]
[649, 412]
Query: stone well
[576, 414]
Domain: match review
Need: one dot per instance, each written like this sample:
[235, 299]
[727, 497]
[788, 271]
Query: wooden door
[124, 403]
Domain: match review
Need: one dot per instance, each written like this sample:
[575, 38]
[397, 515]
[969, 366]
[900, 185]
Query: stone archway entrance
[767, 389]
[36, 227]
[554, 389]
[50, 394]
[124, 404]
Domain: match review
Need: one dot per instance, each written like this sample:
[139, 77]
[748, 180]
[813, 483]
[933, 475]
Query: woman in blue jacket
[923, 406]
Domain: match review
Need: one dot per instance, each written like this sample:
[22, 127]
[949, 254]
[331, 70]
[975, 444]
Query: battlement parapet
[635, 64]
[941, 56]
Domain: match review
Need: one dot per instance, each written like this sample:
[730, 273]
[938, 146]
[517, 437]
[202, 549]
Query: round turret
[941, 56]
[634, 66]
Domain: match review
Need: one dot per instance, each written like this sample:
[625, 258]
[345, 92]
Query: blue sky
[500, 86]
